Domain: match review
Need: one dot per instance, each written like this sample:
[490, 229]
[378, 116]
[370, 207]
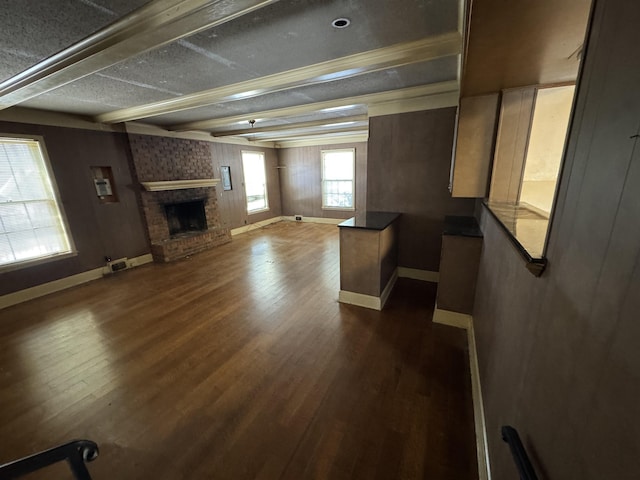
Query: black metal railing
[520, 457]
[76, 453]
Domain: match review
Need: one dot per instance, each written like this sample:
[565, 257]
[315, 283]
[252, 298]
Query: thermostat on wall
[103, 186]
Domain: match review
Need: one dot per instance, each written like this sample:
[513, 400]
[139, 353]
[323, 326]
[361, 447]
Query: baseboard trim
[482, 446]
[63, 283]
[332, 221]
[254, 226]
[359, 299]
[131, 262]
[453, 319]
[388, 289]
[464, 321]
[416, 274]
[269, 221]
[369, 301]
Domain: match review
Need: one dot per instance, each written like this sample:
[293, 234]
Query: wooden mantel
[180, 184]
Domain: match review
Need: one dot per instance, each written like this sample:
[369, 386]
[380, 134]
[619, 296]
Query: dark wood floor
[239, 363]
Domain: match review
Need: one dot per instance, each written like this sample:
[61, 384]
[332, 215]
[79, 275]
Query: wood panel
[360, 261]
[516, 115]
[558, 355]
[388, 254]
[98, 229]
[240, 363]
[408, 172]
[475, 135]
[301, 181]
[458, 273]
[232, 203]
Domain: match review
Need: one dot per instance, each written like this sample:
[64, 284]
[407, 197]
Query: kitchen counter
[368, 258]
[370, 220]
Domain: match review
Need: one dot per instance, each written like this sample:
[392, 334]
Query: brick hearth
[160, 159]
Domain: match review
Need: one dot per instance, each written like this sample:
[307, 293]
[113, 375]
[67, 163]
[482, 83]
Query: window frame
[536, 263]
[323, 179]
[266, 182]
[64, 223]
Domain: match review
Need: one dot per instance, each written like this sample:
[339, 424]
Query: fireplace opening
[185, 217]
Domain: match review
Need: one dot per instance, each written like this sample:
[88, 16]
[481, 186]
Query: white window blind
[255, 181]
[337, 179]
[31, 224]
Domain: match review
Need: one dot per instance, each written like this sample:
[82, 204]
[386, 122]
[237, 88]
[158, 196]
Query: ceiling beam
[290, 126]
[394, 56]
[322, 140]
[369, 99]
[158, 23]
[296, 135]
[404, 105]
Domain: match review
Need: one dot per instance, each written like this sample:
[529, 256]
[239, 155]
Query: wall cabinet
[473, 146]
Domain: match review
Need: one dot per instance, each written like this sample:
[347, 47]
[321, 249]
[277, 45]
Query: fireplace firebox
[185, 217]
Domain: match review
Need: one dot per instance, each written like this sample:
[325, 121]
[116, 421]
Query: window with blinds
[32, 226]
[338, 172]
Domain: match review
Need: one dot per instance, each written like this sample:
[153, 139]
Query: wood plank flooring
[238, 363]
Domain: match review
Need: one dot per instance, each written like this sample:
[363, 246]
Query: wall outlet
[298, 218]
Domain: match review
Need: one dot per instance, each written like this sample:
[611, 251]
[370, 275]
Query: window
[529, 150]
[32, 225]
[338, 171]
[255, 181]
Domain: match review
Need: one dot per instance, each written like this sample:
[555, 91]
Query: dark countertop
[461, 226]
[370, 220]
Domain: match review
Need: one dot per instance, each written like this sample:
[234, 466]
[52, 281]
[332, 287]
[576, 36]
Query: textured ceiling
[285, 35]
[33, 30]
[511, 44]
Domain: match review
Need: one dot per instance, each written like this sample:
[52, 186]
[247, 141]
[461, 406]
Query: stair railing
[76, 453]
[520, 457]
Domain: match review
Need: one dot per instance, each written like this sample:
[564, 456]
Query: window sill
[262, 210]
[526, 228]
[9, 267]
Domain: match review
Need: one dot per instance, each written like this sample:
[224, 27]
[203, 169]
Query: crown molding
[146, 129]
[429, 102]
[54, 119]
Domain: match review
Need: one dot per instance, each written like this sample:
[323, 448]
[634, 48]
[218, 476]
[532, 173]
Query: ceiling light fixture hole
[341, 23]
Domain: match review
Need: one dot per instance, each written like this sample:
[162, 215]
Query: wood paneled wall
[232, 203]
[98, 229]
[559, 356]
[516, 115]
[408, 172]
[301, 181]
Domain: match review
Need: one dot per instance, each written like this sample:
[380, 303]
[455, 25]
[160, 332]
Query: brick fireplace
[162, 159]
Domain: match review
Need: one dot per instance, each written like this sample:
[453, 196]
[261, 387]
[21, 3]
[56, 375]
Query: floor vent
[116, 266]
